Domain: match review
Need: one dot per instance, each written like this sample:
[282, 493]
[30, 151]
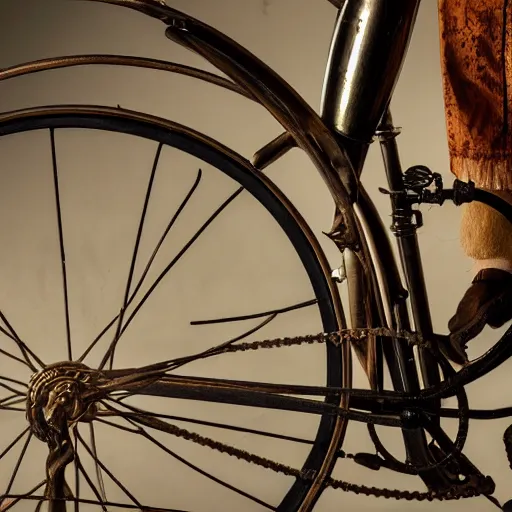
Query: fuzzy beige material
[476, 63]
[490, 172]
[484, 233]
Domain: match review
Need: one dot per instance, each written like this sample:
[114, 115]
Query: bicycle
[62, 396]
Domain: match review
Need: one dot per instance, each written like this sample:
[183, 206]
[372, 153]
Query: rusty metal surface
[119, 60]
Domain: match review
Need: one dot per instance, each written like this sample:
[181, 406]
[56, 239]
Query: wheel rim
[60, 118]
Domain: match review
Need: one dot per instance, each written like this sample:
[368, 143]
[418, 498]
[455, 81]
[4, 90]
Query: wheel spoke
[97, 339]
[300, 305]
[173, 220]
[205, 473]
[175, 364]
[215, 349]
[14, 443]
[206, 442]
[148, 265]
[12, 390]
[224, 426]
[61, 243]
[99, 475]
[89, 481]
[18, 359]
[7, 408]
[136, 248]
[175, 260]
[98, 462]
[141, 431]
[18, 463]
[24, 349]
[14, 381]
[12, 400]
[15, 498]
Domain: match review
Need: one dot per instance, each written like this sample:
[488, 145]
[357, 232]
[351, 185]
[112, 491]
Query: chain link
[336, 338]
[483, 485]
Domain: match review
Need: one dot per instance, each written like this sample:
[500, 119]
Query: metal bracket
[418, 181]
[340, 274]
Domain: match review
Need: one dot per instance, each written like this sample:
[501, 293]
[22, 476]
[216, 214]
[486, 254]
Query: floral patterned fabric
[476, 58]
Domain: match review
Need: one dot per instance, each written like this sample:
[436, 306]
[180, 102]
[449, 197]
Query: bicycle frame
[368, 48]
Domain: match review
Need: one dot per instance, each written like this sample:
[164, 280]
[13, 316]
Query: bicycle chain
[481, 487]
[336, 338]
[453, 493]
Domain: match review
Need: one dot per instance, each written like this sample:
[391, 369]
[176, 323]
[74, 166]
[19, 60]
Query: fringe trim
[491, 173]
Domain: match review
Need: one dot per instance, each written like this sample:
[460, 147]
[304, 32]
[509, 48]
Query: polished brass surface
[55, 395]
[54, 403]
[368, 49]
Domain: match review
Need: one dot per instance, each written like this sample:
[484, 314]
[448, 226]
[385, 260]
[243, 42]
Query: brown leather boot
[488, 301]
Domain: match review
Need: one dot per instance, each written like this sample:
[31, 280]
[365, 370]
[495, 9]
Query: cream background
[292, 36]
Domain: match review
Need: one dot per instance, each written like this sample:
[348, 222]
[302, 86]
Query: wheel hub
[55, 398]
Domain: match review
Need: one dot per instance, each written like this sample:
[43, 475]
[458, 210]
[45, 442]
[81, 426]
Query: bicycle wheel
[86, 194]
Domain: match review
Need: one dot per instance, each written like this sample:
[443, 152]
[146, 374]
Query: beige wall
[292, 36]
